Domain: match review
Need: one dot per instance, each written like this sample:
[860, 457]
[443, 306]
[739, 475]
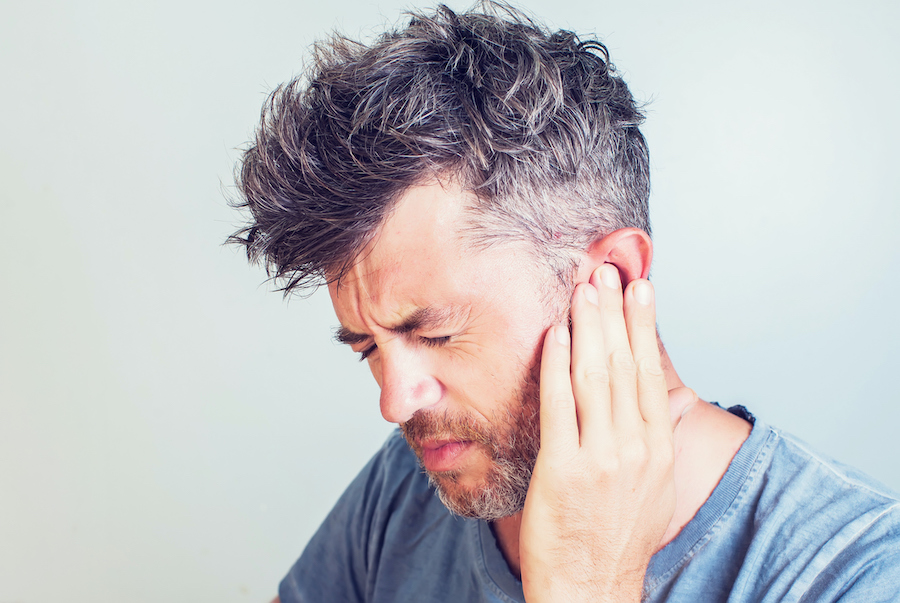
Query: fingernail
[610, 277]
[562, 335]
[643, 293]
[590, 294]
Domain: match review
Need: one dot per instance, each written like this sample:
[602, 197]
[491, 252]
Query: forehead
[421, 257]
[424, 227]
[419, 239]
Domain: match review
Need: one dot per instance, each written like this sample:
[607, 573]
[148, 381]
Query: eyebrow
[423, 319]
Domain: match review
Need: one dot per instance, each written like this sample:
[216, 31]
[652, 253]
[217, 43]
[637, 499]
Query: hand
[602, 492]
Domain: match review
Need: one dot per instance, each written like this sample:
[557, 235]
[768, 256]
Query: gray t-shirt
[783, 524]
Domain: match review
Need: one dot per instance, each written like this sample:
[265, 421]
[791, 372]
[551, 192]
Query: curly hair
[537, 124]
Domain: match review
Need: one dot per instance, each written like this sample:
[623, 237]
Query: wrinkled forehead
[419, 236]
[425, 223]
[424, 255]
[431, 248]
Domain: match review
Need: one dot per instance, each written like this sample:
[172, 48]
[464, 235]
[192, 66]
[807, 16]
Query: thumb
[681, 400]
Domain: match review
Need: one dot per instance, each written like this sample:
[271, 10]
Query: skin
[628, 454]
[417, 261]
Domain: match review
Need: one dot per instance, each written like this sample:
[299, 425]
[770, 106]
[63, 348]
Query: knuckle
[609, 464]
[593, 375]
[558, 400]
[635, 451]
[624, 454]
[650, 367]
[559, 365]
[621, 361]
[644, 318]
[555, 366]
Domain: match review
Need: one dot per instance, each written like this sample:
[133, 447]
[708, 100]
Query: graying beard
[512, 461]
[508, 481]
[502, 497]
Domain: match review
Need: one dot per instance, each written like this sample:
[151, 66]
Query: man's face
[452, 336]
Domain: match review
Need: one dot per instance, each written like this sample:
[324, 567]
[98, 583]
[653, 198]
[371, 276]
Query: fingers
[611, 379]
[640, 317]
[617, 376]
[590, 377]
[559, 427]
[602, 466]
[619, 357]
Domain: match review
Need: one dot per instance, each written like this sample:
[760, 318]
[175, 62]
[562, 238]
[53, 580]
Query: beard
[510, 442]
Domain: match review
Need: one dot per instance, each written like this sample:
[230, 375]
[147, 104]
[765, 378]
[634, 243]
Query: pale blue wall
[172, 431]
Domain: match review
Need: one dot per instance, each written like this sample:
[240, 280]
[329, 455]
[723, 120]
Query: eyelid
[435, 341]
[428, 341]
[367, 352]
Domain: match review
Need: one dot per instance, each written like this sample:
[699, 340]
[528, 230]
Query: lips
[443, 455]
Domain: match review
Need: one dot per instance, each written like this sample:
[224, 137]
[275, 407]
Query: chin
[498, 494]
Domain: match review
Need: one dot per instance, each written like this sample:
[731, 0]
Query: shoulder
[388, 504]
[797, 484]
[823, 525]
[390, 481]
[785, 523]
[797, 468]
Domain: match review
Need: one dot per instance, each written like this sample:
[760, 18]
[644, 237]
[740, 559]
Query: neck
[706, 439]
[673, 381]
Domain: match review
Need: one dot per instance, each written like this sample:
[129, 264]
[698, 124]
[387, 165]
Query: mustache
[442, 425]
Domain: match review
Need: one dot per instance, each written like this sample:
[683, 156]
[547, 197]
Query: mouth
[443, 455]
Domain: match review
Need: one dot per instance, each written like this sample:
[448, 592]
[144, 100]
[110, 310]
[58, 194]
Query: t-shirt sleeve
[867, 570]
[338, 560]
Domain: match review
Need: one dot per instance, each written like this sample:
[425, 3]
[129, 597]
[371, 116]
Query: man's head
[536, 124]
[450, 182]
[452, 337]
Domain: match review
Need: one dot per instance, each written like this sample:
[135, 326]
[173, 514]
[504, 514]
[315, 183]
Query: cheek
[530, 342]
[511, 351]
[472, 379]
[486, 379]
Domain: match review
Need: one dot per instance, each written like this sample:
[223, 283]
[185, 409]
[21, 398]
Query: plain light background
[172, 430]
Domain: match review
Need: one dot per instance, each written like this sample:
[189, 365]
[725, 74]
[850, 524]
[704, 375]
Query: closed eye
[434, 342]
[367, 352]
[431, 342]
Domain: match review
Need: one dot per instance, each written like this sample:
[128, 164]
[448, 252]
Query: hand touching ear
[602, 492]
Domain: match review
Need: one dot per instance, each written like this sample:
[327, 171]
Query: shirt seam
[483, 569]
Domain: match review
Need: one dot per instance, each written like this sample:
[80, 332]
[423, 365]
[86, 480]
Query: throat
[506, 531]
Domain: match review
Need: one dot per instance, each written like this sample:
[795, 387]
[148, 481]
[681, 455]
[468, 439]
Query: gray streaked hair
[537, 124]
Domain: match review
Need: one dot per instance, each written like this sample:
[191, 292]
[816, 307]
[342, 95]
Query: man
[473, 189]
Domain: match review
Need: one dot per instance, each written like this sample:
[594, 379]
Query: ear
[628, 249]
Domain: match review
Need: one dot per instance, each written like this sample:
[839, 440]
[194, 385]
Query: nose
[407, 383]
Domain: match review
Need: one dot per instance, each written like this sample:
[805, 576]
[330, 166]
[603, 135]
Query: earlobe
[628, 249]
